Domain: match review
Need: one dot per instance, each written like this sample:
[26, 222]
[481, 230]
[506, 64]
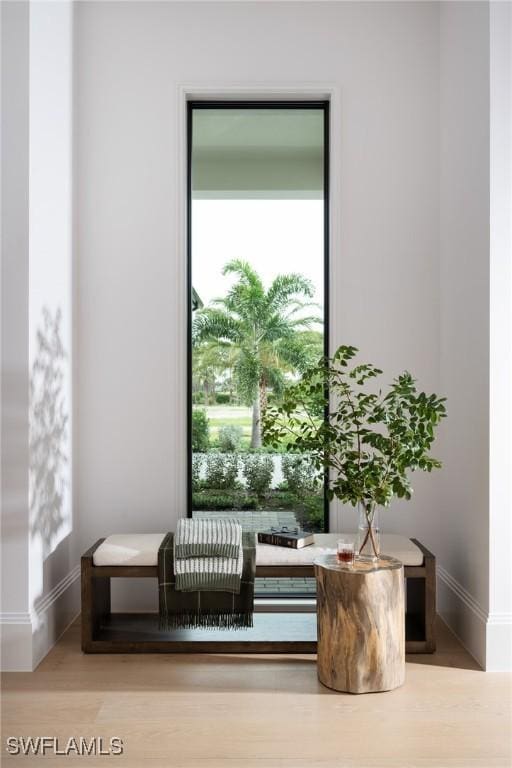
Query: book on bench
[283, 537]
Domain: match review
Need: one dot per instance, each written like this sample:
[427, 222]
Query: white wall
[132, 57]
[54, 551]
[499, 620]
[40, 552]
[464, 308]
[15, 616]
[475, 294]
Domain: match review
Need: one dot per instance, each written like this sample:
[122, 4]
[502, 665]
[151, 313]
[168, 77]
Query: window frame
[191, 105]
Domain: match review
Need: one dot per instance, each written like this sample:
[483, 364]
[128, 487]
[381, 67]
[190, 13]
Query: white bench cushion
[325, 544]
[142, 549]
[129, 549]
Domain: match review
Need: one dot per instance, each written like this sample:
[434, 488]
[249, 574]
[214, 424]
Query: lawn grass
[232, 416]
[238, 421]
[245, 424]
[226, 419]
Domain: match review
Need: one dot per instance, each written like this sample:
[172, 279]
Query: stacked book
[284, 537]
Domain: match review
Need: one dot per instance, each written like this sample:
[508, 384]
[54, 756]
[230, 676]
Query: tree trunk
[256, 423]
[361, 625]
[230, 386]
[263, 396]
[258, 411]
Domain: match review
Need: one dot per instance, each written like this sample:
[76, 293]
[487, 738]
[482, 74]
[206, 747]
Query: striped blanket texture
[213, 572]
[205, 609]
[216, 574]
[208, 538]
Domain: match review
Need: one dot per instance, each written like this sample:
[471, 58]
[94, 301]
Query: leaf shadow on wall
[49, 430]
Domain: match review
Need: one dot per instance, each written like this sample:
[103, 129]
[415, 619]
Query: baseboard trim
[499, 642]
[487, 636]
[499, 618]
[53, 614]
[462, 593]
[19, 617]
[43, 604]
[15, 642]
[27, 636]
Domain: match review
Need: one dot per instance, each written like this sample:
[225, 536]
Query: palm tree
[213, 362]
[205, 368]
[269, 329]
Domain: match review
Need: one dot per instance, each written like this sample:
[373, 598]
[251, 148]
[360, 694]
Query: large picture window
[258, 247]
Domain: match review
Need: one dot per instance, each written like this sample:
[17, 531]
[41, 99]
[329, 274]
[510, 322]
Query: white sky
[274, 236]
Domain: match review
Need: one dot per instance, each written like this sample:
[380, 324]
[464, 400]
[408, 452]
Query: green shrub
[273, 449]
[196, 472]
[258, 470]
[230, 437]
[286, 499]
[247, 502]
[222, 398]
[221, 470]
[299, 473]
[198, 398]
[200, 431]
[213, 501]
[314, 512]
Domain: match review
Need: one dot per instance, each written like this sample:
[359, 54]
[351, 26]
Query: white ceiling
[254, 128]
[267, 152]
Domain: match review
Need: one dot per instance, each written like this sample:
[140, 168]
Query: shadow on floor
[450, 652]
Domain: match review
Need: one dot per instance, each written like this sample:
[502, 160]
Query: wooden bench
[107, 632]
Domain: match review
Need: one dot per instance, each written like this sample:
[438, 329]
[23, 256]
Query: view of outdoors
[258, 307]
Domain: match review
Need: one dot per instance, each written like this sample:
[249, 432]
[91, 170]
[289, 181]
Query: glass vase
[368, 538]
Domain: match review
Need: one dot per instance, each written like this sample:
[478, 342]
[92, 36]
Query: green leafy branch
[369, 442]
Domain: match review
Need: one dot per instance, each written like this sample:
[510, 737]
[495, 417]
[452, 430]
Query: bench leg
[421, 611]
[95, 603]
[430, 604]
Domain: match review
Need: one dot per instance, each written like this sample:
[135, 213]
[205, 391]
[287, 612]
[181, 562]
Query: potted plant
[366, 442]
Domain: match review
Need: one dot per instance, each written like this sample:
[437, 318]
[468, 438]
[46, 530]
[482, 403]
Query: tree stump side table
[361, 624]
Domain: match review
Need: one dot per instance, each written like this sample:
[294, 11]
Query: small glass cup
[346, 552]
